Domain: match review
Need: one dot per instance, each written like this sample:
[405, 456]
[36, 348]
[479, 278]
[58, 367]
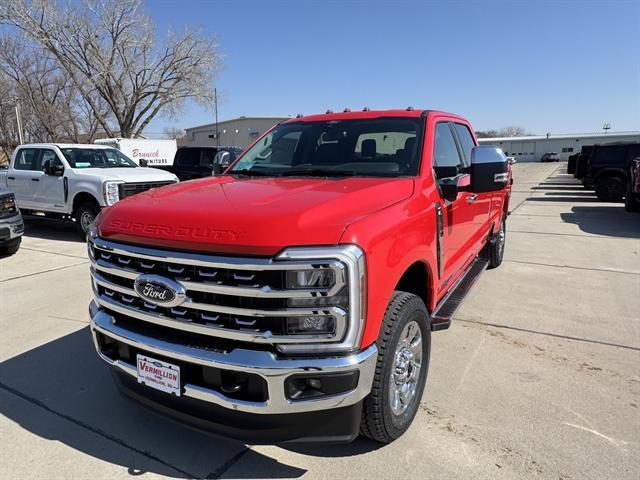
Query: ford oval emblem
[159, 290]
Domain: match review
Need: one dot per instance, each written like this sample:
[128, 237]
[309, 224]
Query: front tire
[85, 215]
[11, 248]
[404, 347]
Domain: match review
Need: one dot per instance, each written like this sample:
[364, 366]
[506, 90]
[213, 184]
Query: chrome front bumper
[274, 370]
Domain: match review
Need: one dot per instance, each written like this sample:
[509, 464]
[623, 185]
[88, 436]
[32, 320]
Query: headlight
[334, 289]
[319, 278]
[111, 191]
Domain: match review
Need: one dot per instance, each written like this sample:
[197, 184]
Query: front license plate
[159, 375]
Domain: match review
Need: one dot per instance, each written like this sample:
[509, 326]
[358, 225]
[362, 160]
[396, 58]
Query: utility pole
[19, 122]
[215, 102]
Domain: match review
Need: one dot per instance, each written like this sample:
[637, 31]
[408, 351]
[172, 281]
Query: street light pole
[19, 122]
[215, 102]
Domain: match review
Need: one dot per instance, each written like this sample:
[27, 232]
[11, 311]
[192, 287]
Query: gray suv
[11, 225]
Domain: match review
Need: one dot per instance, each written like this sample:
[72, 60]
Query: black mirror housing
[54, 169]
[489, 169]
[451, 186]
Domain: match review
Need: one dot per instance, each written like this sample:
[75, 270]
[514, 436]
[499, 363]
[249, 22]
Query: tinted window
[445, 153]
[610, 155]
[188, 157]
[466, 141]
[207, 156]
[26, 159]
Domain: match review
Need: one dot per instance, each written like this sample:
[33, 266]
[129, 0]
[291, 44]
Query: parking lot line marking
[549, 334]
[43, 271]
[53, 253]
[222, 469]
[92, 429]
[625, 272]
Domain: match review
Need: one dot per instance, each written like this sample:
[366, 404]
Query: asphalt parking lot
[539, 376]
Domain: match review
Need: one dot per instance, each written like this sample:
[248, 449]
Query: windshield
[97, 158]
[384, 147]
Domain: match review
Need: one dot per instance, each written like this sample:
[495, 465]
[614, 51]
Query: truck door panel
[49, 191]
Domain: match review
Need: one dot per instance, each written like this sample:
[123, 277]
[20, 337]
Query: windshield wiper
[254, 173]
[318, 172]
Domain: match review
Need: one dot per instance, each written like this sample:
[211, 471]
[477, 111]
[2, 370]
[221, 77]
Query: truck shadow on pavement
[40, 227]
[61, 391]
[611, 221]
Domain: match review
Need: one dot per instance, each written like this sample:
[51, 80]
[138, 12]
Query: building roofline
[242, 117]
[560, 136]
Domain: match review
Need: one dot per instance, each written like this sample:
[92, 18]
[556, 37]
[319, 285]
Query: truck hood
[129, 175]
[249, 216]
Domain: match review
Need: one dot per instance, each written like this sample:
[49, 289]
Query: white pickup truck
[73, 181]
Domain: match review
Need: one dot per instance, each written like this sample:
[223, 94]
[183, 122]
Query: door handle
[472, 198]
[11, 178]
[35, 179]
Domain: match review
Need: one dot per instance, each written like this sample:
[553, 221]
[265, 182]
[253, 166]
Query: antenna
[606, 127]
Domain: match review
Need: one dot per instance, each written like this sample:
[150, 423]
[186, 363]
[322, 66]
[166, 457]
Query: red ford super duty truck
[293, 298]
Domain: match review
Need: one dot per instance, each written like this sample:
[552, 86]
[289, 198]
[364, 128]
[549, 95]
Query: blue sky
[552, 66]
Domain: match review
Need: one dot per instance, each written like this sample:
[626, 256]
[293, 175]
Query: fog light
[311, 325]
[320, 278]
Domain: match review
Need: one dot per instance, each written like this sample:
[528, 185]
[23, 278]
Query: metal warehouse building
[531, 148]
[237, 132]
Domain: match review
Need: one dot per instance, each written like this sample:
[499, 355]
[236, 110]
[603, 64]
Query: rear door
[23, 176]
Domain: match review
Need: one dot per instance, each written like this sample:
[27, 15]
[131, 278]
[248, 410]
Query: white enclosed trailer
[155, 152]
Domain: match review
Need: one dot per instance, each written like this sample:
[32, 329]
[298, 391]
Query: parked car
[632, 193]
[73, 181]
[550, 157]
[607, 169]
[293, 298]
[11, 225]
[199, 162]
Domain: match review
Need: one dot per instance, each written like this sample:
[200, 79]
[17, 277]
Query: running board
[446, 309]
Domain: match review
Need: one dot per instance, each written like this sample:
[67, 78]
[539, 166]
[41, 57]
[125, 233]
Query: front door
[456, 217]
[50, 190]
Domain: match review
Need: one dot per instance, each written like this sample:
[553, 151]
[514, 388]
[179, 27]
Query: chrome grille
[226, 297]
[128, 189]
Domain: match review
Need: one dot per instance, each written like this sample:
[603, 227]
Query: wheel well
[81, 198]
[621, 174]
[415, 280]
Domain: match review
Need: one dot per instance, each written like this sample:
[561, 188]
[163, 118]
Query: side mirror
[143, 162]
[451, 186]
[489, 169]
[54, 169]
[221, 162]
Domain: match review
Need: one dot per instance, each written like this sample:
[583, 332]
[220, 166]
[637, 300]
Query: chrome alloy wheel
[501, 238]
[405, 373]
[86, 219]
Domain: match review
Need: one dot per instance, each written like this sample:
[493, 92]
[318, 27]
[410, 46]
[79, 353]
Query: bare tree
[503, 132]
[109, 48]
[173, 133]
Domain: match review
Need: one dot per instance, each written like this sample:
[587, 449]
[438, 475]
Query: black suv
[607, 169]
[198, 162]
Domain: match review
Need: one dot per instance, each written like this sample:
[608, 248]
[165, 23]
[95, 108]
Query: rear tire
[404, 346]
[610, 189]
[494, 250]
[85, 215]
